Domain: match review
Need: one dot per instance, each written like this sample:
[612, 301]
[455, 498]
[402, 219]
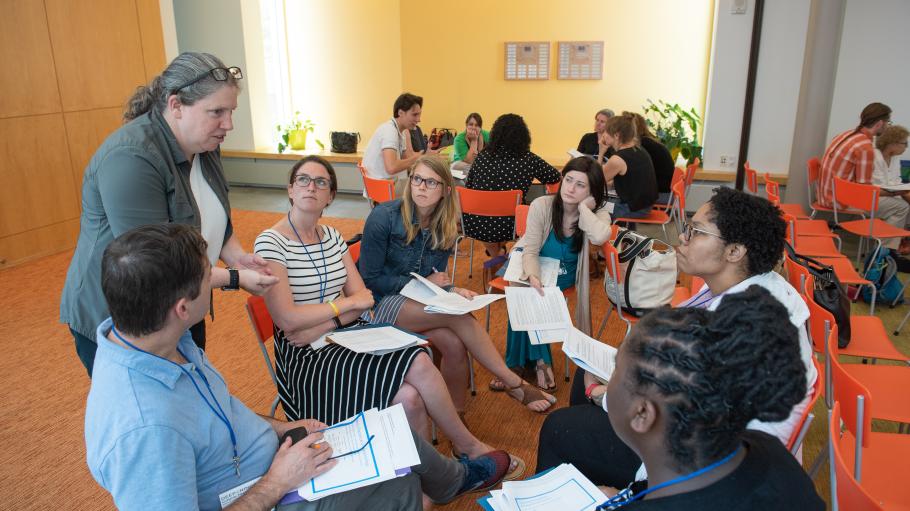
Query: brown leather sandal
[531, 394]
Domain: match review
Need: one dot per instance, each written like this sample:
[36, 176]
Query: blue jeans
[621, 210]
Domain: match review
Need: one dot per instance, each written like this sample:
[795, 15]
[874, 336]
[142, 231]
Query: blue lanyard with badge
[323, 275]
[218, 413]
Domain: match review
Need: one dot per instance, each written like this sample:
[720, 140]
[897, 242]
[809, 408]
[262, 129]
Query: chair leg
[274, 407]
[455, 257]
[666, 236]
[433, 435]
[566, 373]
[903, 322]
[473, 386]
[471, 267]
[603, 324]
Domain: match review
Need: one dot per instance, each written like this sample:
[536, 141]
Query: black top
[638, 187]
[588, 145]
[503, 171]
[663, 162]
[769, 477]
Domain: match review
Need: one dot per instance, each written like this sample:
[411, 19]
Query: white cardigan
[595, 225]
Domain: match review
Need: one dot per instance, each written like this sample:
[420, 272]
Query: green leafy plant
[676, 127]
[294, 134]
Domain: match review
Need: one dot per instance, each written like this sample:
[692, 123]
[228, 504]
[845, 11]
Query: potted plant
[294, 134]
[676, 128]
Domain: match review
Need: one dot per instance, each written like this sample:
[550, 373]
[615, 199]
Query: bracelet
[337, 323]
[334, 308]
[590, 389]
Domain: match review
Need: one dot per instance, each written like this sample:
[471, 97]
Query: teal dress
[519, 350]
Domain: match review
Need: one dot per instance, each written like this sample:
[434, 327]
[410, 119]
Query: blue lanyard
[625, 496]
[219, 413]
[323, 284]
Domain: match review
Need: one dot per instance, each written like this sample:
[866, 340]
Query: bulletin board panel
[580, 60]
[527, 60]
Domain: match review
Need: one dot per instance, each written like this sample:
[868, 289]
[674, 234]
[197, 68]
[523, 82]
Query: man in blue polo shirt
[163, 432]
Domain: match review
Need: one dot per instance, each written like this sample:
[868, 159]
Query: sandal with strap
[545, 379]
[531, 394]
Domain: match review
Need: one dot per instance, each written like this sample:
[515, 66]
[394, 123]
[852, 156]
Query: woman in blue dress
[562, 227]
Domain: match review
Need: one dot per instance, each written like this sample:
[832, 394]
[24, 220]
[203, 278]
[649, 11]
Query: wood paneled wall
[68, 68]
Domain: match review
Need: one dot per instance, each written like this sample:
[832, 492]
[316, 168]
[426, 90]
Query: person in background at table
[417, 234]
[506, 163]
[660, 157]
[162, 430]
[328, 382]
[630, 169]
[590, 142]
[469, 142]
[887, 171]
[562, 227]
[389, 153]
[163, 165]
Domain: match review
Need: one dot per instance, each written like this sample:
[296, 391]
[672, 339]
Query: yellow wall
[345, 63]
[656, 49]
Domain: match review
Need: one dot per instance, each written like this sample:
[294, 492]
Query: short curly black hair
[509, 134]
[716, 371]
[752, 222]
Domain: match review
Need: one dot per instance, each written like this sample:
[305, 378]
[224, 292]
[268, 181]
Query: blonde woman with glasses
[417, 234]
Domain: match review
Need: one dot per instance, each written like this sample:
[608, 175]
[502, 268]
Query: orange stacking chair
[813, 174]
[483, 203]
[845, 490]
[772, 187]
[876, 457]
[264, 329]
[864, 198]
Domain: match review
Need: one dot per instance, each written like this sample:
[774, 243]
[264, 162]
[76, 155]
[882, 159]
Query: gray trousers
[894, 211]
[437, 476]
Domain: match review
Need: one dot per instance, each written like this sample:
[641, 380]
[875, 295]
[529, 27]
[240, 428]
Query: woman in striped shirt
[323, 381]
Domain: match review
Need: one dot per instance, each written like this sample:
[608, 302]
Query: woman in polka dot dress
[507, 163]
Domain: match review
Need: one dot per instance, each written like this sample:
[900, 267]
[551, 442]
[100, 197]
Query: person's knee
[410, 399]
[449, 345]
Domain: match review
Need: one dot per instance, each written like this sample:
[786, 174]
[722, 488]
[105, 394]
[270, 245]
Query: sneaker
[485, 472]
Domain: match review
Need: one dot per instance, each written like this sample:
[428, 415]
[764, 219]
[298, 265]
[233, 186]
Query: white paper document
[575, 154]
[549, 269]
[376, 341]
[548, 336]
[593, 356]
[370, 446]
[530, 311]
[458, 174]
[440, 301]
[563, 488]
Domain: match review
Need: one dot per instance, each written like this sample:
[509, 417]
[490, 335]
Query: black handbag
[344, 141]
[828, 293]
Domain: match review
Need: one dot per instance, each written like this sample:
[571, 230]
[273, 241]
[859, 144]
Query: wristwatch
[234, 283]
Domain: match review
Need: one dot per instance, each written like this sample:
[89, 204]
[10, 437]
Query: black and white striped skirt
[334, 383]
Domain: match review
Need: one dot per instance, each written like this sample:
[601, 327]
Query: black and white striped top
[310, 267]
[332, 383]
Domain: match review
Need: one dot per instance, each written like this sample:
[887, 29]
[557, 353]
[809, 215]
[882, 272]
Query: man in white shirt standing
[389, 153]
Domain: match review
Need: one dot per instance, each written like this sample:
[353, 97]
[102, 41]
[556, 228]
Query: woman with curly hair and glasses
[733, 241]
[506, 163]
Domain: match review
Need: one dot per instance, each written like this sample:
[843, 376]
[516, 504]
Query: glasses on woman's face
[431, 183]
[220, 74]
[689, 230]
[303, 180]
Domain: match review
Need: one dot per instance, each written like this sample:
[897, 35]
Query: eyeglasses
[304, 180]
[432, 184]
[220, 74]
[689, 229]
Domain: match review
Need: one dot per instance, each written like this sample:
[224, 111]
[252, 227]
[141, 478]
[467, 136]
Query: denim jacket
[386, 261]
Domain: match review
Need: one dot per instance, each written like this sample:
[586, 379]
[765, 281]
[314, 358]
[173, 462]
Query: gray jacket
[138, 176]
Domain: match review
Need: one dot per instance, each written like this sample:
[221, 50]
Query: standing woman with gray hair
[163, 165]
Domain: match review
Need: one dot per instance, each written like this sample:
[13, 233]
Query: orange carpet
[42, 461]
